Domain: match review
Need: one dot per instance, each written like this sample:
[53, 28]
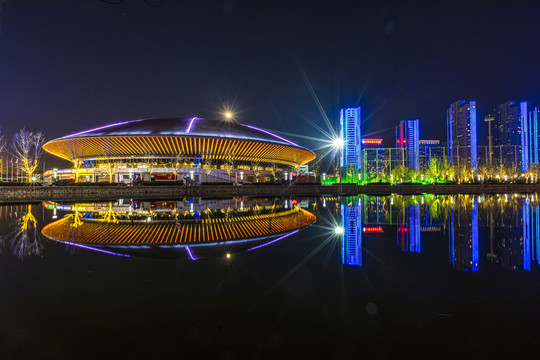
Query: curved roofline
[129, 137]
[187, 131]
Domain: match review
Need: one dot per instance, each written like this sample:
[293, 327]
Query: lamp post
[338, 144]
[489, 119]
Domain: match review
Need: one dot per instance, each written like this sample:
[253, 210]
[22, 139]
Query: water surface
[423, 276]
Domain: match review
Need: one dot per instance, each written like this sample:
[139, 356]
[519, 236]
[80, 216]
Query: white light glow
[338, 142]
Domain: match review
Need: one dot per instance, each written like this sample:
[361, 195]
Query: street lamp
[338, 144]
[338, 230]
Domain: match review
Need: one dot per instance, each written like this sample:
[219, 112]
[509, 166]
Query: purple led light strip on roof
[100, 128]
[190, 254]
[191, 124]
[269, 133]
[273, 241]
[95, 249]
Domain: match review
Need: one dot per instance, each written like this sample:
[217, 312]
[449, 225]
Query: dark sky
[66, 66]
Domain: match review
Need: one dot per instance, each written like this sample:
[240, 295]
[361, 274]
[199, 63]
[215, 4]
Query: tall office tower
[408, 144]
[461, 133]
[349, 121]
[351, 238]
[463, 234]
[430, 149]
[533, 136]
[512, 133]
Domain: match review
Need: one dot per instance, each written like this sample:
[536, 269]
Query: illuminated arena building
[187, 149]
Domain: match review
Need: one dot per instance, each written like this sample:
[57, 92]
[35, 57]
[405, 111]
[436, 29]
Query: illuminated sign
[430, 142]
[372, 229]
[372, 141]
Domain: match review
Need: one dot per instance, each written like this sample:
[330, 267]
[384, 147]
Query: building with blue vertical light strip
[351, 152]
[461, 134]
[533, 136]
[513, 132]
[408, 143]
[523, 115]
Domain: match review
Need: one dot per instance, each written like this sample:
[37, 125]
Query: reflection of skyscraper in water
[526, 235]
[463, 233]
[408, 228]
[535, 233]
[351, 239]
[513, 228]
[374, 209]
[508, 228]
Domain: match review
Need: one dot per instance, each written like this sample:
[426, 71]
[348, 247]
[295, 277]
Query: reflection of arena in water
[168, 229]
[176, 149]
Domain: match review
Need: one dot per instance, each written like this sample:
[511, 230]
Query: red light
[294, 202]
[372, 141]
[373, 229]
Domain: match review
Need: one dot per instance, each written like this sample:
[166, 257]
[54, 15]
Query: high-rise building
[408, 142]
[533, 136]
[349, 121]
[461, 133]
[512, 133]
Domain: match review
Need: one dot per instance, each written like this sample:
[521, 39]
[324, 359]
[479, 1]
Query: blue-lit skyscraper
[351, 239]
[533, 136]
[349, 121]
[461, 133]
[408, 143]
[512, 133]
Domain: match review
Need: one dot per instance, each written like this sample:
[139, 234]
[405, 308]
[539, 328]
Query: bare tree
[177, 163]
[27, 148]
[257, 168]
[109, 164]
[3, 144]
[228, 165]
[207, 166]
[75, 153]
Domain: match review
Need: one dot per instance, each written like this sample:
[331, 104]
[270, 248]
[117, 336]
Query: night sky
[67, 66]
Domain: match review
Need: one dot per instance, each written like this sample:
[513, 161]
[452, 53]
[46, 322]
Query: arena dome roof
[193, 126]
[191, 137]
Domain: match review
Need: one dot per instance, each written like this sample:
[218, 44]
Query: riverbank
[89, 193]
